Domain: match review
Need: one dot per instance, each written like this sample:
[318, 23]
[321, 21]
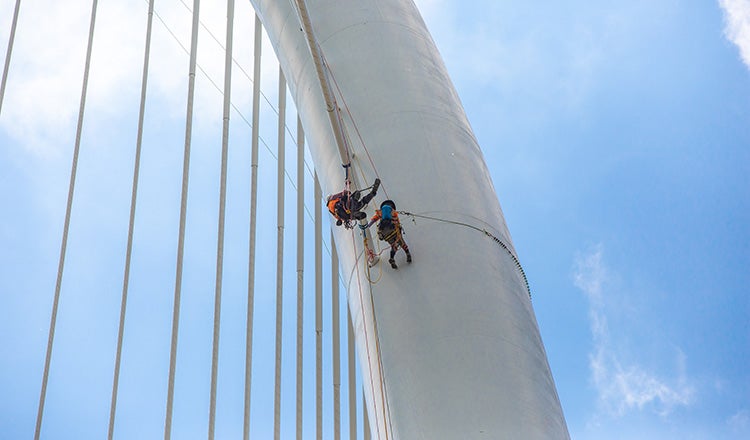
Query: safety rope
[8, 53]
[354, 125]
[322, 72]
[383, 388]
[485, 232]
[380, 267]
[131, 224]
[365, 419]
[355, 269]
[66, 228]
[384, 403]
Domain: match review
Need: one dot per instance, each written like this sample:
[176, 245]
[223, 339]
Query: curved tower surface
[449, 345]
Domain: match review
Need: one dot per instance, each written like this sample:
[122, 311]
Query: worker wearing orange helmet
[347, 206]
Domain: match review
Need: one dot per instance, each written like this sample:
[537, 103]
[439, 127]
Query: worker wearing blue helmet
[390, 230]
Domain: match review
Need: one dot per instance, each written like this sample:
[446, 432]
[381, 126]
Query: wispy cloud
[623, 387]
[737, 28]
[740, 422]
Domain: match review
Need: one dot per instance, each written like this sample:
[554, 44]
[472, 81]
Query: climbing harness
[340, 205]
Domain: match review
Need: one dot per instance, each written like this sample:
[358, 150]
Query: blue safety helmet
[386, 212]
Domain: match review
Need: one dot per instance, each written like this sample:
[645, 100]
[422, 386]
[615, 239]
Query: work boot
[408, 258]
[393, 263]
[376, 186]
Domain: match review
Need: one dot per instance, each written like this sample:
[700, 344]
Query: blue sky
[617, 135]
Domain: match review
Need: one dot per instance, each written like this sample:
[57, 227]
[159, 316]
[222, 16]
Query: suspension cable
[318, 314]
[8, 53]
[279, 257]
[183, 215]
[253, 213]
[216, 86]
[131, 224]
[66, 228]
[222, 217]
[239, 66]
[336, 342]
[300, 271]
[351, 375]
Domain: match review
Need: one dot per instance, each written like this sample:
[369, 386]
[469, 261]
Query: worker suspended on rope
[390, 230]
[347, 206]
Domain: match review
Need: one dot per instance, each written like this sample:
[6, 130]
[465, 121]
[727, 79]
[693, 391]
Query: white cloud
[623, 388]
[42, 98]
[737, 29]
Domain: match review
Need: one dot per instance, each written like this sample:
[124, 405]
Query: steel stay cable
[279, 255]
[265, 98]
[242, 116]
[8, 52]
[66, 227]
[221, 220]
[336, 342]
[257, 38]
[183, 215]
[300, 279]
[131, 224]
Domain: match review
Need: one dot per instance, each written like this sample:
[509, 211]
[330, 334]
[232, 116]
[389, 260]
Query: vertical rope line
[300, 269]
[383, 389]
[279, 255]
[330, 100]
[335, 324]
[133, 198]
[222, 219]
[253, 208]
[365, 419]
[351, 376]
[66, 228]
[318, 313]
[8, 53]
[183, 215]
[366, 336]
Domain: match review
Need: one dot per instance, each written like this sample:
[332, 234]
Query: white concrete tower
[449, 345]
